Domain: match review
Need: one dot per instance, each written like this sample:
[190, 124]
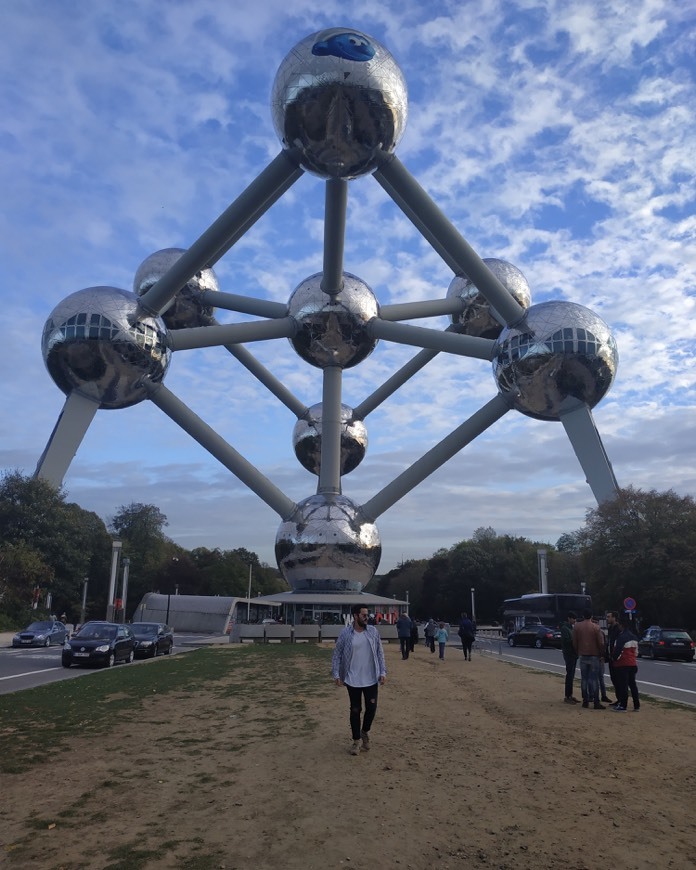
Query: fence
[242, 633]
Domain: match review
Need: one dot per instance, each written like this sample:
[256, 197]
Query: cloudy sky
[558, 136]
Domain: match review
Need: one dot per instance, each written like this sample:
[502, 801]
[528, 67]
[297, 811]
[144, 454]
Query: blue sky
[557, 136]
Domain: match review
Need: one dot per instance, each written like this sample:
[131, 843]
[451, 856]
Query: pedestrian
[430, 631]
[588, 643]
[613, 631]
[358, 664]
[569, 657]
[442, 637]
[600, 673]
[467, 633]
[625, 668]
[414, 635]
[403, 630]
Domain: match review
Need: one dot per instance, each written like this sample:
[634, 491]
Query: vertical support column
[330, 471]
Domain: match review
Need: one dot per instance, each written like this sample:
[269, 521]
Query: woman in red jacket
[625, 669]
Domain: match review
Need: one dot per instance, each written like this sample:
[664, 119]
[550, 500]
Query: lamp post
[249, 597]
[83, 608]
[124, 590]
[115, 553]
[473, 604]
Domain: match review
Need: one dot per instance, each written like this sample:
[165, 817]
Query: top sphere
[479, 318]
[339, 97]
[185, 309]
[558, 357]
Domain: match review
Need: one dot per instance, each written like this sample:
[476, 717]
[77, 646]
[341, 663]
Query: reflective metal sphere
[559, 356]
[306, 440]
[90, 346]
[333, 331]
[478, 317]
[186, 309]
[327, 546]
[339, 97]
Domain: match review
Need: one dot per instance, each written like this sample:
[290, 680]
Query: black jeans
[570, 663]
[625, 680]
[355, 693]
[405, 643]
[467, 643]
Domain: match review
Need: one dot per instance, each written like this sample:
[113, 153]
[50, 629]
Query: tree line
[640, 545]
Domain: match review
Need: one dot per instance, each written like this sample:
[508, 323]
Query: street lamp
[473, 604]
[115, 553]
[249, 597]
[124, 590]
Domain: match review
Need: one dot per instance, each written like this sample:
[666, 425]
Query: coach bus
[543, 608]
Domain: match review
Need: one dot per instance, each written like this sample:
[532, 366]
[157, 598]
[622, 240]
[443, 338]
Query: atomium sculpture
[339, 106]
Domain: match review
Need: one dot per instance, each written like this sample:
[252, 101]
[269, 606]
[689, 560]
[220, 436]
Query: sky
[556, 136]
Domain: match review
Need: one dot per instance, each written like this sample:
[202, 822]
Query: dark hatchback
[666, 643]
[538, 636]
[152, 639]
[44, 633]
[99, 643]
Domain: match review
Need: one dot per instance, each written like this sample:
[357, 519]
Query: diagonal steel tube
[269, 380]
[258, 197]
[230, 333]
[452, 342]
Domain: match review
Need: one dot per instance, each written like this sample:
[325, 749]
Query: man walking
[358, 664]
[569, 657]
[613, 631]
[467, 634]
[588, 643]
[403, 629]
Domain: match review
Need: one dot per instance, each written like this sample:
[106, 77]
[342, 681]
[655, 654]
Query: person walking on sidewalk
[430, 631]
[358, 664]
[570, 657]
[403, 630]
[588, 643]
[467, 633]
[442, 637]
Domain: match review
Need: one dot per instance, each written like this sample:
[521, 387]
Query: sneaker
[574, 700]
[636, 709]
[606, 700]
[617, 708]
[355, 748]
[599, 706]
[365, 740]
[585, 704]
[567, 700]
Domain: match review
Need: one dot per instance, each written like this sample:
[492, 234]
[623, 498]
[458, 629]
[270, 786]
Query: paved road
[671, 681]
[26, 668]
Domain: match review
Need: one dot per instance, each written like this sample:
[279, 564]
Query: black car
[535, 635]
[44, 633]
[152, 638]
[666, 643]
[99, 643]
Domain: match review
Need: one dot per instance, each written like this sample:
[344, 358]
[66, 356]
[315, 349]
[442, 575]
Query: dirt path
[474, 764]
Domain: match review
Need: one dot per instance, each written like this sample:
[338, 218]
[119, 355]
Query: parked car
[666, 643]
[152, 638]
[99, 643]
[44, 633]
[537, 636]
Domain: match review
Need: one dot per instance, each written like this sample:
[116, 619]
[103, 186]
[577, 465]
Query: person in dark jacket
[467, 634]
[626, 668]
[414, 635]
[613, 631]
[429, 632]
[569, 657]
[403, 630]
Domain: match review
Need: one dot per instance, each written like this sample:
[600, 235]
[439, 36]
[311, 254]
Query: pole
[115, 553]
[83, 609]
[249, 597]
[124, 591]
[473, 604]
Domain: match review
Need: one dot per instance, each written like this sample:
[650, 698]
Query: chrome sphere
[93, 344]
[558, 357]
[332, 331]
[306, 440]
[479, 318]
[327, 545]
[186, 308]
[339, 98]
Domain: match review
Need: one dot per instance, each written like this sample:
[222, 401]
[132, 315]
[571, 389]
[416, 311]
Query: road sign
[630, 604]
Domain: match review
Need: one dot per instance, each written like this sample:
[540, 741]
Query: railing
[242, 633]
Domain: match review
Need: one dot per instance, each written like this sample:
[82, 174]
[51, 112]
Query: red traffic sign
[630, 604]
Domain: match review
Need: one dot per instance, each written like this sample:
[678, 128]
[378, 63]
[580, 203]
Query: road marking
[29, 673]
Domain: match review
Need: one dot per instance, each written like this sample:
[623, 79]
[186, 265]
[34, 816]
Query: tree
[643, 545]
[140, 527]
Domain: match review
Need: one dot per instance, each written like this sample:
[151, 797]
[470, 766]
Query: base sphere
[327, 545]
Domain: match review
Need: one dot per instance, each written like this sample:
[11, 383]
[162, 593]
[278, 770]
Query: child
[442, 635]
